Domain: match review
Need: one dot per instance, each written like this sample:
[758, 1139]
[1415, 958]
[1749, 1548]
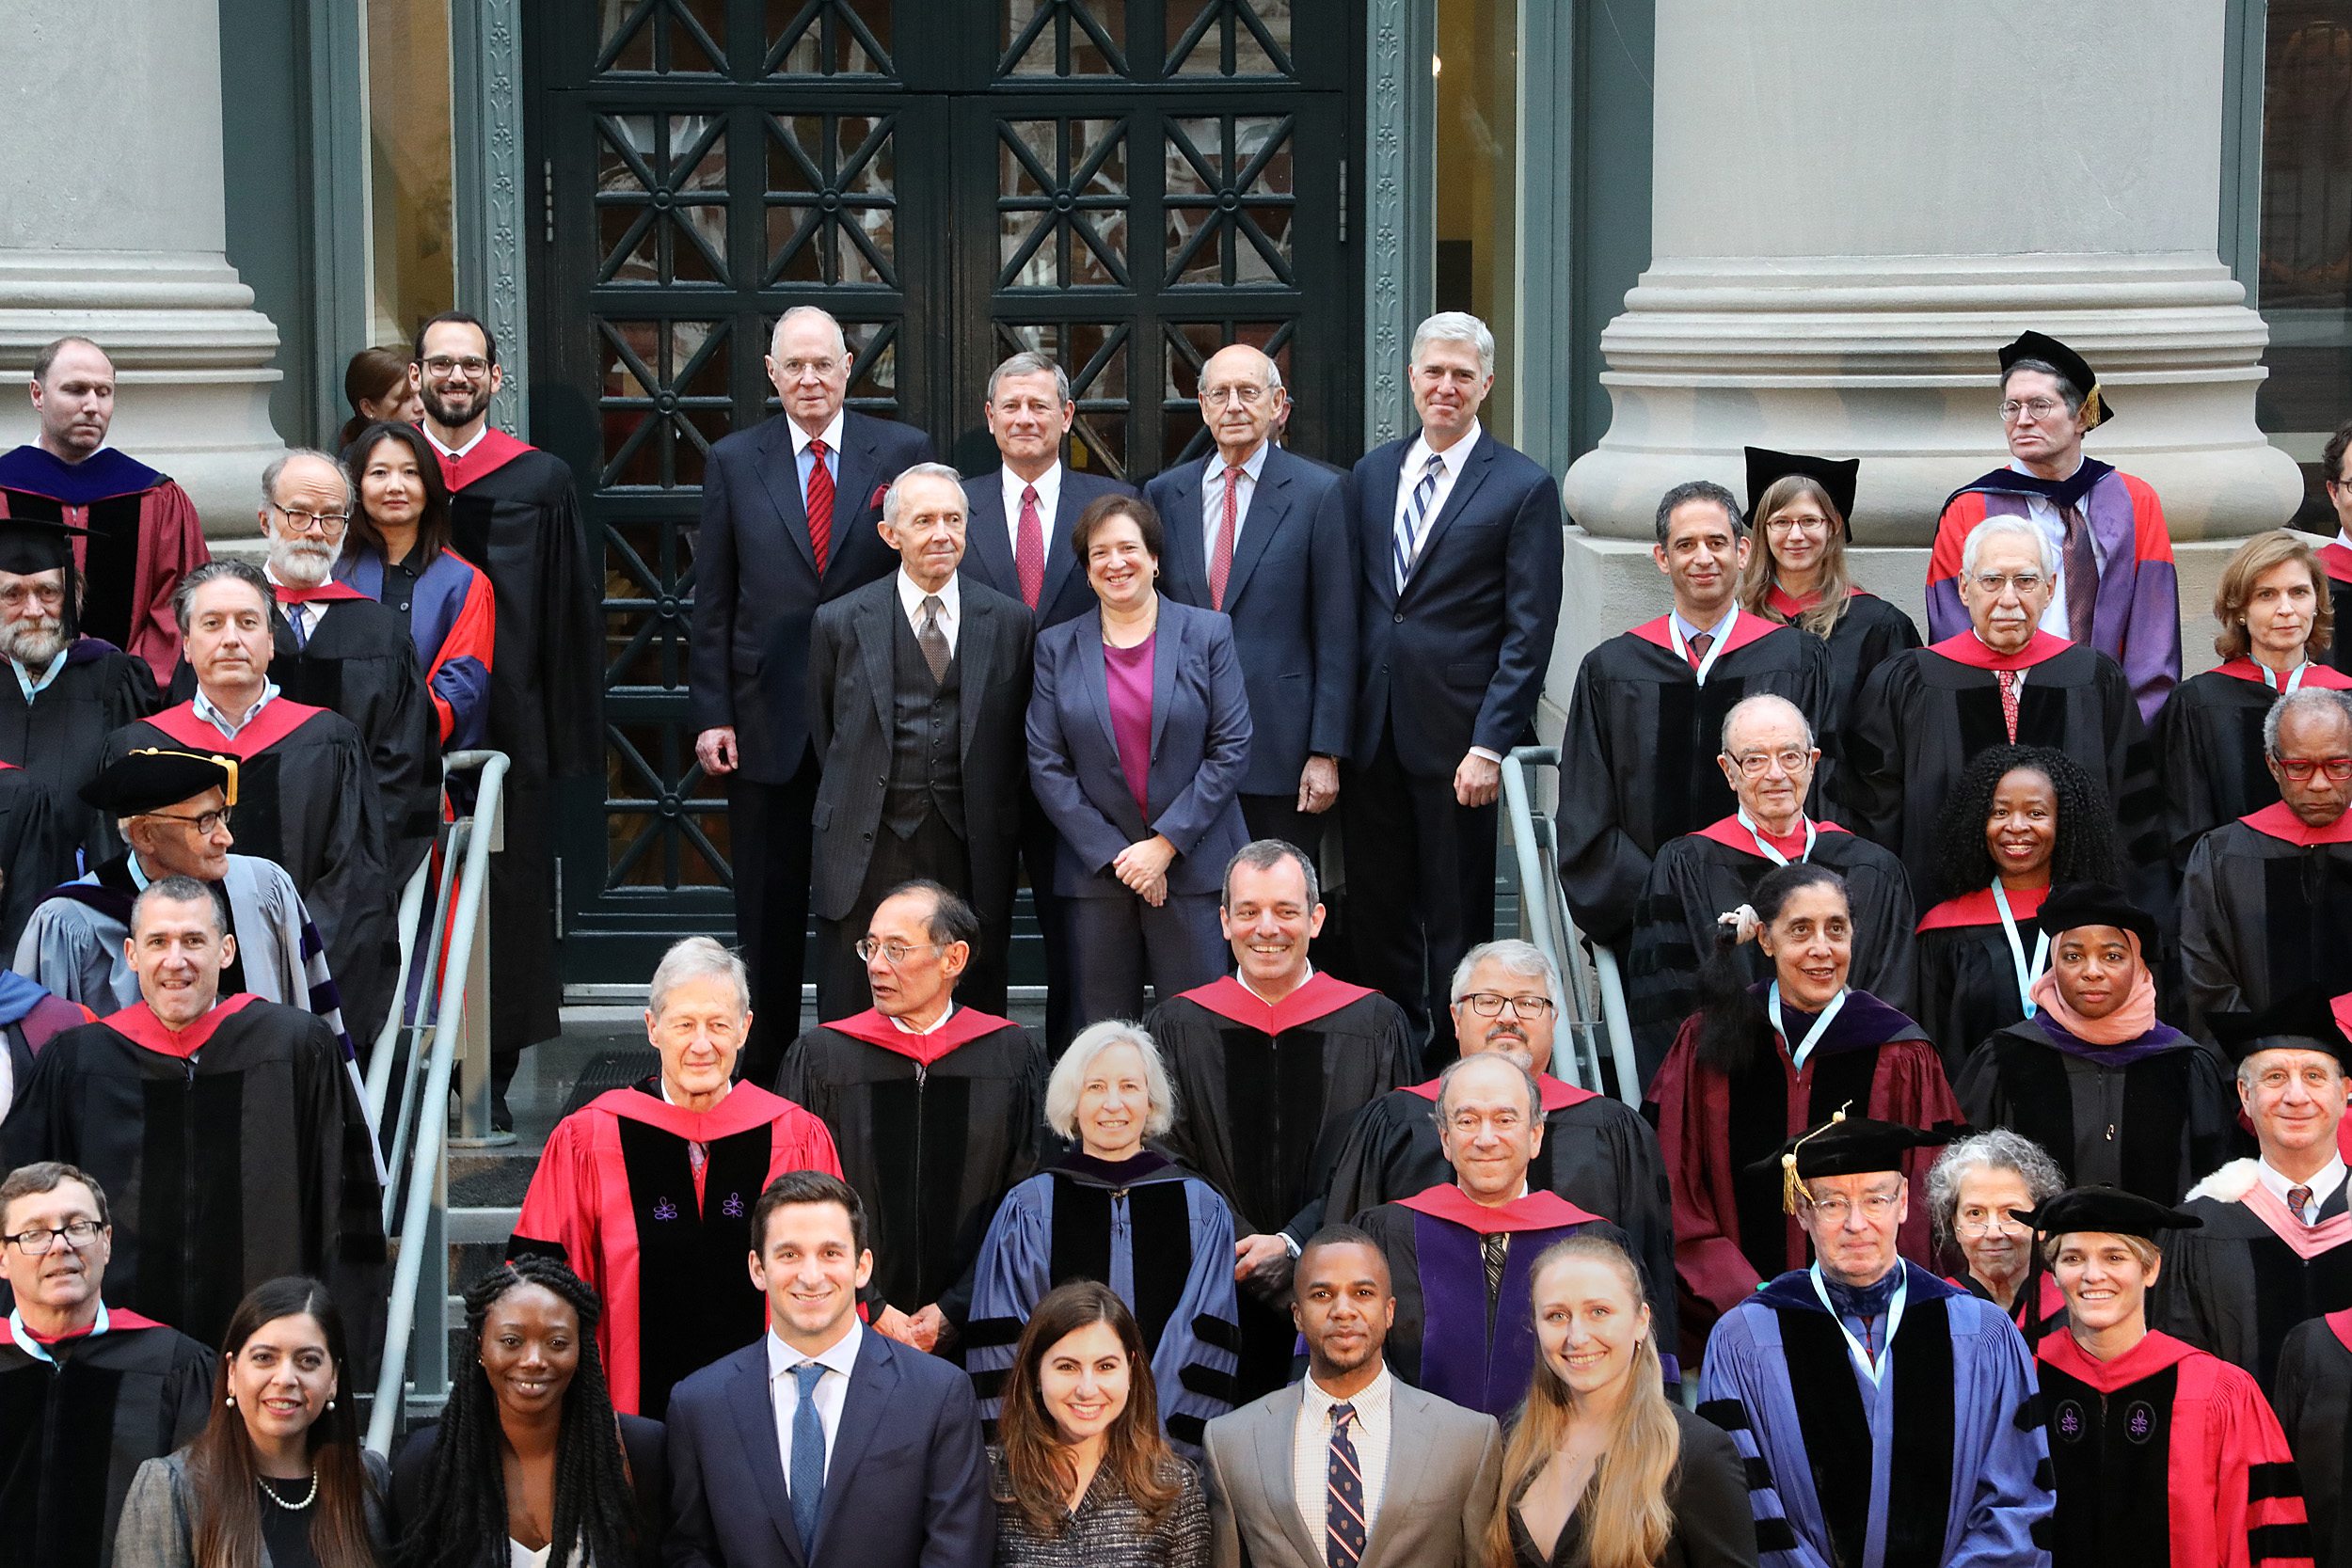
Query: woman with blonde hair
[1800, 509]
[1600, 1469]
[2272, 604]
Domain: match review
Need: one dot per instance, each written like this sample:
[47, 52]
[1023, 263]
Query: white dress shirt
[932, 1028]
[2343, 537]
[802, 458]
[1310, 1450]
[2323, 1186]
[304, 615]
[951, 605]
[1408, 479]
[832, 1390]
[2045, 518]
[455, 451]
[1213, 497]
[1048, 499]
[221, 721]
[1691, 632]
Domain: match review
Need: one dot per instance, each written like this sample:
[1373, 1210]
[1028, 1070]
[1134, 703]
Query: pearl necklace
[271, 1493]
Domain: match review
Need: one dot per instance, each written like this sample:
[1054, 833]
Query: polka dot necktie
[1221, 558]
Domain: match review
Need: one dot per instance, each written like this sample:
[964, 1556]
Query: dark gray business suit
[1199, 750]
[852, 688]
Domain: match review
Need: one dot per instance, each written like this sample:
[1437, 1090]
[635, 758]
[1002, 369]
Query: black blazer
[648, 1478]
[907, 1484]
[1291, 599]
[1708, 1493]
[1457, 659]
[755, 583]
[850, 693]
[987, 549]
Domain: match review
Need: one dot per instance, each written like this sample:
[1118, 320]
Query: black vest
[926, 737]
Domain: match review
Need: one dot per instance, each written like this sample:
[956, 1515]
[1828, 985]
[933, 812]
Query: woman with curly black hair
[2020, 818]
[529, 1451]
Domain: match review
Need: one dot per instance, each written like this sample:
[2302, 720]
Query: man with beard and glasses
[143, 532]
[512, 514]
[70, 690]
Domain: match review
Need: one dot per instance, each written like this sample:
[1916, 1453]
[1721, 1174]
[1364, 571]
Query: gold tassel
[2094, 416]
[1788, 1183]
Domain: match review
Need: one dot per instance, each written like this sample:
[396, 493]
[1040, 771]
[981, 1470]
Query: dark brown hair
[1146, 521]
[1037, 1462]
[2255, 558]
[433, 524]
[807, 1186]
[225, 1514]
[369, 378]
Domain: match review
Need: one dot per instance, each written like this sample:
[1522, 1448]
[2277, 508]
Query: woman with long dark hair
[1601, 1470]
[277, 1479]
[397, 551]
[529, 1453]
[1081, 1476]
[2021, 818]
[1758, 1064]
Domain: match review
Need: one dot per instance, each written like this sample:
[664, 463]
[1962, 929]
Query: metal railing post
[473, 1094]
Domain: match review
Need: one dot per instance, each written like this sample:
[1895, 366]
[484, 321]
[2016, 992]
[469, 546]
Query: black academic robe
[2252, 1272]
[2208, 742]
[1924, 713]
[307, 798]
[1967, 973]
[2265, 910]
[77, 1419]
[514, 515]
[932, 1131]
[2150, 1116]
[2312, 1395]
[33, 859]
[1637, 766]
[1450, 1336]
[1870, 632]
[1598, 1154]
[2337, 559]
[1707, 873]
[57, 736]
[235, 1151]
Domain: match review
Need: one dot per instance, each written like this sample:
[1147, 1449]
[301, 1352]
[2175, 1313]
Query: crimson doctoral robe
[143, 537]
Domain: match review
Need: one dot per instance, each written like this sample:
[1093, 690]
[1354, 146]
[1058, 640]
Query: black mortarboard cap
[1835, 475]
[30, 544]
[2077, 904]
[2097, 410]
[152, 777]
[2302, 1021]
[1848, 1145]
[2110, 1210]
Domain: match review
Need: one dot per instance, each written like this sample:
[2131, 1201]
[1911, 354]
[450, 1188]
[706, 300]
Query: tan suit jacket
[1445, 1475]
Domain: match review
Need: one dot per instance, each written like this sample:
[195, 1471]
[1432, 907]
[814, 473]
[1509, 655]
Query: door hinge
[546, 206]
[558, 898]
[1342, 201]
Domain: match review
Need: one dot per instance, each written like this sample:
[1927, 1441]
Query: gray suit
[1445, 1475]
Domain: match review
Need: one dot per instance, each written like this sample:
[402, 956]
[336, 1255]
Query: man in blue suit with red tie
[789, 509]
[1458, 547]
[824, 1445]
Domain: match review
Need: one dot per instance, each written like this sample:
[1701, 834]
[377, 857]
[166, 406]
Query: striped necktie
[1344, 1531]
[1409, 528]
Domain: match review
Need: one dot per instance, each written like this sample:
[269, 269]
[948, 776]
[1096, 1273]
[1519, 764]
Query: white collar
[841, 1357]
[2016, 466]
[1416, 455]
[905, 1028]
[950, 596]
[1316, 1404]
[455, 452]
[662, 1084]
[1262, 996]
[1254, 465]
[2323, 1183]
[2343, 537]
[1048, 490]
[830, 434]
[1715, 631]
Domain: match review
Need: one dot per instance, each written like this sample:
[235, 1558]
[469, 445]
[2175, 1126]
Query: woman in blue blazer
[1138, 737]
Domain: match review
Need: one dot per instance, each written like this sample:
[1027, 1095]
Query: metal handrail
[428, 1170]
[1597, 1018]
[380, 1060]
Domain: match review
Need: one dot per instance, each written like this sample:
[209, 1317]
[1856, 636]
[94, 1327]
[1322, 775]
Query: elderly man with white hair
[653, 1185]
[1115, 1211]
[790, 521]
[2005, 679]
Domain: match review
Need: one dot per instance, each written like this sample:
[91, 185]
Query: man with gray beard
[70, 692]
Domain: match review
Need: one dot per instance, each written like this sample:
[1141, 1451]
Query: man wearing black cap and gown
[2312, 1393]
[174, 807]
[1887, 1416]
[70, 690]
[2276, 1244]
[2161, 1452]
[2117, 591]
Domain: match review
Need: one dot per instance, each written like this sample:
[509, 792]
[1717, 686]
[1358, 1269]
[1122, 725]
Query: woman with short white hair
[1127, 1215]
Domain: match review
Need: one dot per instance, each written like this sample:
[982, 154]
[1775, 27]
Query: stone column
[1856, 203]
[111, 227]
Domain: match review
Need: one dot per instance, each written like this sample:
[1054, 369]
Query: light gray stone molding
[492, 188]
[1400, 202]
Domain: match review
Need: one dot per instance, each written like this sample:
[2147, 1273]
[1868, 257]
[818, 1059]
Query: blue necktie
[807, 1480]
[1408, 527]
[1343, 1532]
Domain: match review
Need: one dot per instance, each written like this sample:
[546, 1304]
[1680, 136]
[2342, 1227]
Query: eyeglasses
[2041, 408]
[1788, 523]
[1995, 584]
[1875, 1207]
[2301, 768]
[2006, 1222]
[821, 369]
[203, 822]
[1247, 394]
[38, 1240]
[328, 523]
[442, 367]
[893, 952]
[1485, 1003]
[1754, 763]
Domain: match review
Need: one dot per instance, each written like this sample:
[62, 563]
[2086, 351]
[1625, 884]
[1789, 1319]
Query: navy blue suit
[1200, 753]
[1063, 595]
[757, 590]
[907, 1487]
[1291, 599]
[1455, 660]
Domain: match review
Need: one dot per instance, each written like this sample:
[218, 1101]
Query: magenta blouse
[1129, 673]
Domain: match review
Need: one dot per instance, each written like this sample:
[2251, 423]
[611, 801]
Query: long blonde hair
[1625, 1516]
[1757, 576]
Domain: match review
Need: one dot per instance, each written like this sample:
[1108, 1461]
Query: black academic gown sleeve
[2208, 741]
[2314, 1399]
[33, 857]
[1869, 633]
[60, 736]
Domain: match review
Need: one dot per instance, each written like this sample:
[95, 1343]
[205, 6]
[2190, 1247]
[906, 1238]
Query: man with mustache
[71, 689]
[92, 1392]
[142, 530]
[1926, 711]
